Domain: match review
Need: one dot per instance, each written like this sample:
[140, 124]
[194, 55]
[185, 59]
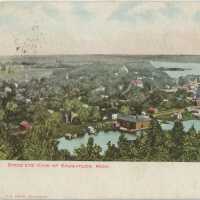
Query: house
[85, 106]
[105, 118]
[190, 86]
[104, 96]
[152, 110]
[165, 100]
[103, 109]
[7, 89]
[21, 129]
[68, 136]
[50, 111]
[28, 101]
[114, 116]
[132, 123]
[24, 125]
[100, 89]
[137, 83]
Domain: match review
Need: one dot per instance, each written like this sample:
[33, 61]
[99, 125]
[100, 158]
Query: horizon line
[98, 54]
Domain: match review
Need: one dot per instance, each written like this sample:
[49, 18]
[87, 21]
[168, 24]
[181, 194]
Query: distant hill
[86, 59]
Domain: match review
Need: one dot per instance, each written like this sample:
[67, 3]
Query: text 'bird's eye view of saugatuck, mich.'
[78, 84]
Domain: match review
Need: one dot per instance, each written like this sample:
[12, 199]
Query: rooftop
[25, 125]
[133, 118]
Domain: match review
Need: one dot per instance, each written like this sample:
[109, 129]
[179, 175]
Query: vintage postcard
[99, 99]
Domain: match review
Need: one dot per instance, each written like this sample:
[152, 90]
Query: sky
[99, 27]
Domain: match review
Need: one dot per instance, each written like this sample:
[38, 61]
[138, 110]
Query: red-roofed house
[24, 125]
[152, 110]
[137, 83]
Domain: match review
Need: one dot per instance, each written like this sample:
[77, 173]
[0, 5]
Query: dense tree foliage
[152, 145]
[92, 94]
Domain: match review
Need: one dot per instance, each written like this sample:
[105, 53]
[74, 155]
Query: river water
[191, 68]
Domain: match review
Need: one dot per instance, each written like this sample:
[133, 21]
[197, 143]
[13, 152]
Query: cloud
[101, 27]
[137, 12]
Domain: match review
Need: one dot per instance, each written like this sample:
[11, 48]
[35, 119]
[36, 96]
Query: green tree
[112, 152]
[90, 152]
[11, 107]
[124, 109]
[136, 107]
[65, 155]
[156, 142]
[16, 146]
[178, 133]
[191, 146]
[150, 145]
[124, 148]
[95, 114]
[2, 114]
[4, 145]
[40, 143]
[83, 113]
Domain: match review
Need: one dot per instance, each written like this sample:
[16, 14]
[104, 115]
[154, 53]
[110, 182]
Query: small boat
[68, 136]
[91, 130]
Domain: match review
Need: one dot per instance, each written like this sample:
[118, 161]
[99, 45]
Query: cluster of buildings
[194, 88]
[132, 123]
[191, 86]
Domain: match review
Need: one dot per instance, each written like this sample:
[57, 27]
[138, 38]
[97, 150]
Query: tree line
[152, 145]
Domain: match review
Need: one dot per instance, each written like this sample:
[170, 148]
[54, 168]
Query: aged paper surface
[118, 181]
[99, 99]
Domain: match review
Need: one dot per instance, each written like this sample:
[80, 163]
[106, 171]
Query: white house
[100, 89]
[114, 116]
[7, 89]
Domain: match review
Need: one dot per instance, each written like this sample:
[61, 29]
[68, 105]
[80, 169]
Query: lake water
[101, 139]
[186, 124]
[194, 68]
